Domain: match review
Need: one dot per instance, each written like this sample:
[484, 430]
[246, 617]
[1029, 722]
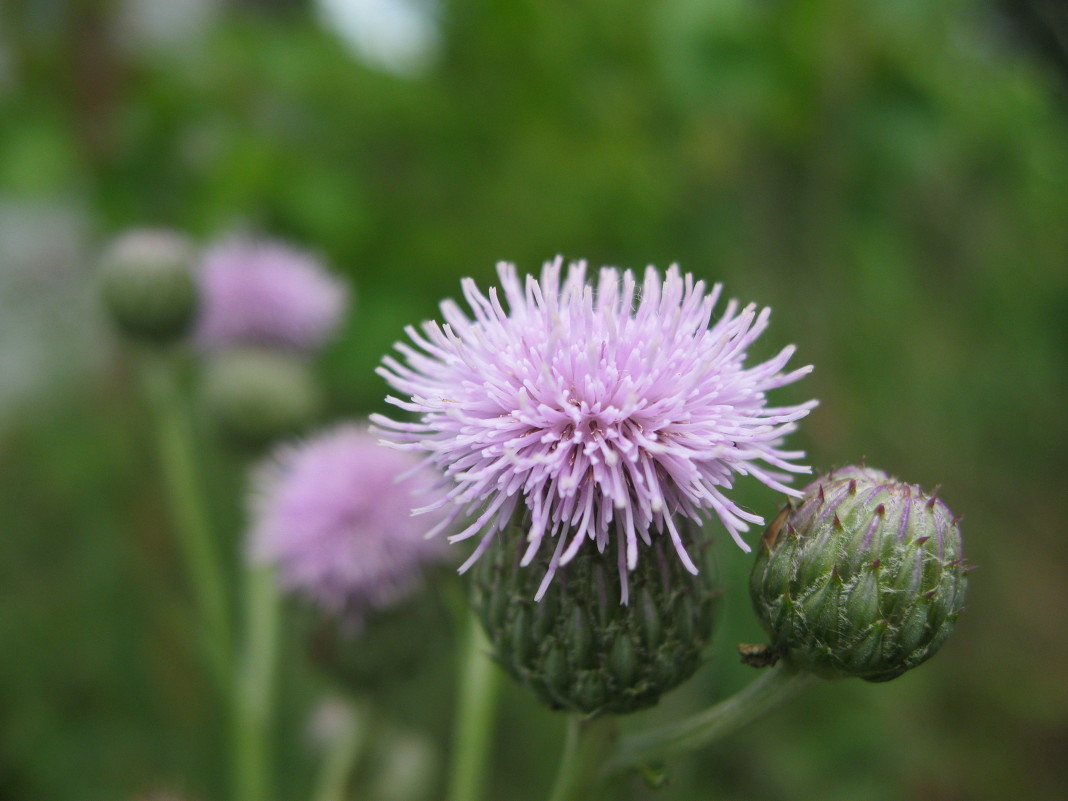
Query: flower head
[266, 293]
[600, 411]
[334, 515]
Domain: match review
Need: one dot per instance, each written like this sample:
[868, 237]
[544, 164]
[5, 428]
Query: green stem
[254, 690]
[588, 743]
[174, 442]
[478, 690]
[343, 754]
[773, 688]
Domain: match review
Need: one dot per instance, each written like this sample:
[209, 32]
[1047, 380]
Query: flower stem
[343, 753]
[174, 442]
[254, 687]
[479, 686]
[774, 687]
[588, 743]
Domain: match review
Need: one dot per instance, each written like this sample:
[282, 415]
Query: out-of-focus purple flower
[607, 411]
[334, 515]
[258, 292]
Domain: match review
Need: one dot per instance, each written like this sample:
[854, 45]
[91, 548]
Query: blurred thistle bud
[256, 397]
[864, 576]
[334, 516]
[265, 293]
[382, 646]
[147, 284]
[578, 648]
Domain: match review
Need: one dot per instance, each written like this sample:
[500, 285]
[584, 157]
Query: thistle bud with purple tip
[863, 576]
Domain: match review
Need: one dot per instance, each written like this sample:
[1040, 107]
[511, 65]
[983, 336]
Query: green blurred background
[892, 178]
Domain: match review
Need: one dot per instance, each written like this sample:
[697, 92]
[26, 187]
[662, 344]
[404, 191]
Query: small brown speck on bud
[758, 655]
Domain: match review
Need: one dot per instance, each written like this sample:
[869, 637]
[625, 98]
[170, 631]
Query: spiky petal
[602, 410]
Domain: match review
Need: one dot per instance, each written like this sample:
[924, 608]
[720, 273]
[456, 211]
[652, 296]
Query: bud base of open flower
[578, 648]
[864, 576]
[381, 647]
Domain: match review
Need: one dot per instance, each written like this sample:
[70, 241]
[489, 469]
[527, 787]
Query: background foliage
[892, 178]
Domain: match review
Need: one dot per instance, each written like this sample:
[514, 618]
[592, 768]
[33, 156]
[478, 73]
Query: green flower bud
[863, 576]
[147, 284]
[257, 396]
[578, 648]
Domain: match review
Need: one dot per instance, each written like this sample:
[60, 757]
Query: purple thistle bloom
[607, 410]
[266, 293]
[334, 514]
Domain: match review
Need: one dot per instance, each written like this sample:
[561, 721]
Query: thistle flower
[266, 293]
[334, 515]
[603, 411]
